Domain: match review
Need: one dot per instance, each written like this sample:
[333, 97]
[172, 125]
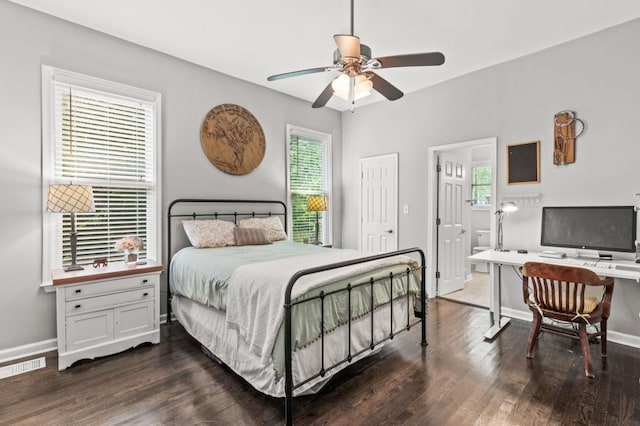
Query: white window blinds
[109, 141]
[309, 162]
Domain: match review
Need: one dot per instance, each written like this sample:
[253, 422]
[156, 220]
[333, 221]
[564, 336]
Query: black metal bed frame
[289, 304]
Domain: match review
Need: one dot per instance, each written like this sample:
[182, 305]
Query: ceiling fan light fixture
[348, 45]
[363, 86]
[355, 63]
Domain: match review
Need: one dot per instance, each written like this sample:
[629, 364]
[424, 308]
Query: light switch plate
[405, 209]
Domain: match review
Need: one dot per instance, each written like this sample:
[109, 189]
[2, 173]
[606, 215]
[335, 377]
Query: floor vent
[22, 367]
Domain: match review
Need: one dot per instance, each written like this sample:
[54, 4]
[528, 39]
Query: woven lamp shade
[70, 199]
[316, 203]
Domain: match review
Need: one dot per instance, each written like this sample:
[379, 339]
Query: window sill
[480, 208]
[47, 287]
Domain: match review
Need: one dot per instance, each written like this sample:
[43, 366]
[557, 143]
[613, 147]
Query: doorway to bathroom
[460, 211]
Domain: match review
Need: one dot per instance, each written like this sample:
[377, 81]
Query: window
[309, 173]
[481, 185]
[106, 135]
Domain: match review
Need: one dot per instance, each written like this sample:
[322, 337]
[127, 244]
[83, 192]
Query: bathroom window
[481, 185]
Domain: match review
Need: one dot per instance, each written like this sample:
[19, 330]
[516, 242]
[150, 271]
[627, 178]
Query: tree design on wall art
[232, 139]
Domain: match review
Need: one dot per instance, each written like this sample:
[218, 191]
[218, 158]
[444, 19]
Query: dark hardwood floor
[459, 379]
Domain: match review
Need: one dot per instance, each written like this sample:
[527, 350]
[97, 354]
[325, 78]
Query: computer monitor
[606, 228]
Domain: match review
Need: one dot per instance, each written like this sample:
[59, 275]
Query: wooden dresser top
[113, 270]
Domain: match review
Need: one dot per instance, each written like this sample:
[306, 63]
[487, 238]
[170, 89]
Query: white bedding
[202, 274]
[256, 291]
[208, 326]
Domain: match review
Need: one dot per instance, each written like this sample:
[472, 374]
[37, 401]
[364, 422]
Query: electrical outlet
[405, 209]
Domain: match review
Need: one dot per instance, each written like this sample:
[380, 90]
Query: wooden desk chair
[558, 292]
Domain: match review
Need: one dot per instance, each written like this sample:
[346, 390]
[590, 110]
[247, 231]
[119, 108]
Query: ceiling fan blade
[348, 45]
[385, 88]
[412, 60]
[298, 73]
[324, 97]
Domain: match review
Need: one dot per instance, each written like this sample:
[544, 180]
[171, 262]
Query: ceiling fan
[355, 63]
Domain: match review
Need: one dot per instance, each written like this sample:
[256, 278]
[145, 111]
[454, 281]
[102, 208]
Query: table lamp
[317, 203]
[71, 199]
[507, 207]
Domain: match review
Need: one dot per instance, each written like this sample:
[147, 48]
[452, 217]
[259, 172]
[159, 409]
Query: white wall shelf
[524, 200]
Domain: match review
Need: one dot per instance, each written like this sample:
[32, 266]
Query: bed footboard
[289, 304]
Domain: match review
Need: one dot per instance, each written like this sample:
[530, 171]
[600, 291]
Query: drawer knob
[145, 281]
[77, 306]
[145, 294]
[78, 290]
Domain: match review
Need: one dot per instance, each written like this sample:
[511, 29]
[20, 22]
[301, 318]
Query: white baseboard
[517, 314]
[623, 339]
[52, 344]
[163, 318]
[37, 348]
[612, 336]
[28, 350]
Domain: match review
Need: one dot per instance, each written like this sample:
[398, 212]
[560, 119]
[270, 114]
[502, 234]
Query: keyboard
[602, 264]
[592, 263]
[597, 264]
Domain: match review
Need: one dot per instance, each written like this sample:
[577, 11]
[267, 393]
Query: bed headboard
[221, 209]
[203, 208]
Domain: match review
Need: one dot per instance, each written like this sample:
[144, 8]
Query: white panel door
[454, 189]
[379, 203]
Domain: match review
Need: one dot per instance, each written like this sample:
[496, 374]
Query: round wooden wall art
[232, 139]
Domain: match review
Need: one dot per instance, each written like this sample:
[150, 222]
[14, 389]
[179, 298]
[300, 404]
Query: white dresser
[106, 310]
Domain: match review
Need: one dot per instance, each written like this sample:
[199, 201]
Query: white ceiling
[252, 39]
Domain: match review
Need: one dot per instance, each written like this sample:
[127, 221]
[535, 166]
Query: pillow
[209, 233]
[250, 236]
[272, 225]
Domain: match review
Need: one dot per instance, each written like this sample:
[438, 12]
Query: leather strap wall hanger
[564, 137]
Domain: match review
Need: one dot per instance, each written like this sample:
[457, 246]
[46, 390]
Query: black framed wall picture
[523, 163]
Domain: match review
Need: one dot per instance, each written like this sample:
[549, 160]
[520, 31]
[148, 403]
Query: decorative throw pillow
[250, 236]
[209, 233]
[272, 225]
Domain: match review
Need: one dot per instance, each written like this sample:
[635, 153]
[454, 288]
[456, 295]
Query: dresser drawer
[109, 301]
[81, 291]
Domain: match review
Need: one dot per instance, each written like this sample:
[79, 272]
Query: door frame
[432, 242]
[394, 156]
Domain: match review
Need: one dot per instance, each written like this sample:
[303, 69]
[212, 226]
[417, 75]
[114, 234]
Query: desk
[625, 269]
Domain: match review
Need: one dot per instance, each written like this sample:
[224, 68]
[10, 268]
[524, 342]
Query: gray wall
[597, 76]
[29, 39]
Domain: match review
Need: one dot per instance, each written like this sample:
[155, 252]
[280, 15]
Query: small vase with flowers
[131, 246]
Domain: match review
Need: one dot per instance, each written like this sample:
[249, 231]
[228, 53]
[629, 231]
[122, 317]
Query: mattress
[248, 283]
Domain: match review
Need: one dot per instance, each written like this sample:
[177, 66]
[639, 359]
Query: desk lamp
[71, 199]
[317, 203]
[507, 207]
